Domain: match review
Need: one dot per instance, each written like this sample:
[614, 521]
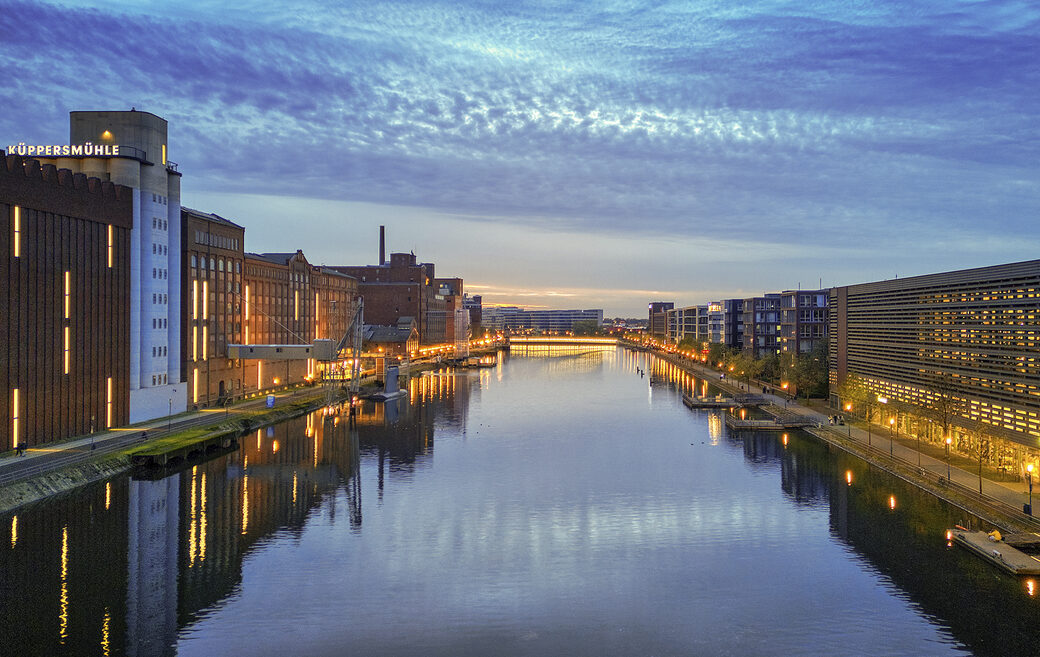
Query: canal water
[561, 503]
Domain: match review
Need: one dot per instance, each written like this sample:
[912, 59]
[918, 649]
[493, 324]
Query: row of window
[159, 249]
[216, 241]
[158, 323]
[159, 379]
[159, 299]
[158, 352]
[160, 199]
[159, 273]
[158, 223]
[215, 264]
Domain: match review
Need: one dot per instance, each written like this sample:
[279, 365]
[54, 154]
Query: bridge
[551, 340]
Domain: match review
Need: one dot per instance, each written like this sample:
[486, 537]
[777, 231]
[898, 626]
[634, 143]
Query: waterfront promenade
[999, 502]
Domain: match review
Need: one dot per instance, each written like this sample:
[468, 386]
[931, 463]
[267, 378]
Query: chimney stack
[382, 245]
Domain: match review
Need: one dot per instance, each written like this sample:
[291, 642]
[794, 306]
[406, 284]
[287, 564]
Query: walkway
[39, 460]
[878, 444]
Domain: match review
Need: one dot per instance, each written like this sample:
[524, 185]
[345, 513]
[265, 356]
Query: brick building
[64, 302]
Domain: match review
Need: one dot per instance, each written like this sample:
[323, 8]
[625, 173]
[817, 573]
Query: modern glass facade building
[969, 336]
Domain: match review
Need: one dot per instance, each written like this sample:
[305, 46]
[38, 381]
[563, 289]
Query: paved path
[38, 460]
[877, 441]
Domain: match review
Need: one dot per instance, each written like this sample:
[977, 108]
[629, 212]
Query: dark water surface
[559, 504]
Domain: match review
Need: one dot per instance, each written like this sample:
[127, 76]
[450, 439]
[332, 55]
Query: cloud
[779, 122]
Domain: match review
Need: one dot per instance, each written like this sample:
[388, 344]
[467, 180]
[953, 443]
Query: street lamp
[948, 442]
[891, 436]
[848, 409]
[1029, 479]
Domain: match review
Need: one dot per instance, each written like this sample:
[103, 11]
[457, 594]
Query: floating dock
[998, 553]
[709, 402]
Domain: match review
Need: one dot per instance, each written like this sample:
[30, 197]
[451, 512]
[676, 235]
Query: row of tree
[805, 373]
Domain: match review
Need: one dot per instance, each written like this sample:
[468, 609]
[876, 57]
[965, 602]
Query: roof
[278, 258]
[387, 334]
[209, 216]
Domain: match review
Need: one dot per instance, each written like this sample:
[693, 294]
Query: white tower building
[141, 162]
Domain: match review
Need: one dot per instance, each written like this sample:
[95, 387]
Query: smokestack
[382, 245]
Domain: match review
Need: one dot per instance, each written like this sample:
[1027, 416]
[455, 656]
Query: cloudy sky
[575, 155]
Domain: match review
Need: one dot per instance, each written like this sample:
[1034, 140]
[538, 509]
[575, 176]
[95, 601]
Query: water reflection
[129, 566]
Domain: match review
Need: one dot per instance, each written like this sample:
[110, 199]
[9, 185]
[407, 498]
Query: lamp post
[948, 442]
[891, 435]
[1029, 480]
[848, 409]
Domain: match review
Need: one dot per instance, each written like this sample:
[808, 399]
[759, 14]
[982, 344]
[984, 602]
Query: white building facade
[134, 152]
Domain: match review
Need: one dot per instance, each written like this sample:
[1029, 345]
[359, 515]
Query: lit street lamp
[1029, 479]
[891, 435]
[948, 442]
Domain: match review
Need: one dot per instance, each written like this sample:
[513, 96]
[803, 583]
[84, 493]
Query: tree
[585, 327]
[717, 353]
[943, 405]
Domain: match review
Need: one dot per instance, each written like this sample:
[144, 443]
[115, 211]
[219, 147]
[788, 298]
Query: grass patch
[168, 443]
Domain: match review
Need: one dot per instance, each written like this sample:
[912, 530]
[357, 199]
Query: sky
[574, 155]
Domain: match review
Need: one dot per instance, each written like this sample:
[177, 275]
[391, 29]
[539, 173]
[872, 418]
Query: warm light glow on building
[205, 341]
[108, 403]
[848, 477]
[194, 343]
[195, 299]
[111, 245]
[68, 293]
[259, 374]
[246, 340]
[195, 386]
[16, 426]
[247, 303]
[164, 154]
[296, 305]
[205, 300]
[65, 350]
[17, 238]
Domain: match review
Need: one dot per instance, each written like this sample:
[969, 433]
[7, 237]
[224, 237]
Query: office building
[761, 325]
[971, 336]
[803, 320]
[658, 318]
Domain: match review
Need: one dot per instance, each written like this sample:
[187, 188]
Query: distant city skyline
[574, 155]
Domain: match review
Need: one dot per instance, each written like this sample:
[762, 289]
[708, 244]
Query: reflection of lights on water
[949, 535]
[274, 446]
[1031, 587]
[848, 477]
[63, 616]
[108, 495]
[14, 531]
[104, 632]
[892, 501]
[714, 428]
[784, 439]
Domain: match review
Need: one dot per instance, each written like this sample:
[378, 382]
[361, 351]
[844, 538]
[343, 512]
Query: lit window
[108, 404]
[195, 385]
[66, 352]
[111, 245]
[194, 343]
[68, 293]
[15, 418]
[194, 299]
[296, 304]
[17, 232]
[205, 299]
[205, 341]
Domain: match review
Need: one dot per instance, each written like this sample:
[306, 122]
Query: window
[153, 272]
[212, 264]
[15, 418]
[111, 245]
[220, 265]
[153, 298]
[194, 260]
[108, 404]
[68, 342]
[68, 293]
[155, 221]
[153, 379]
[17, 232]
[154, 323]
